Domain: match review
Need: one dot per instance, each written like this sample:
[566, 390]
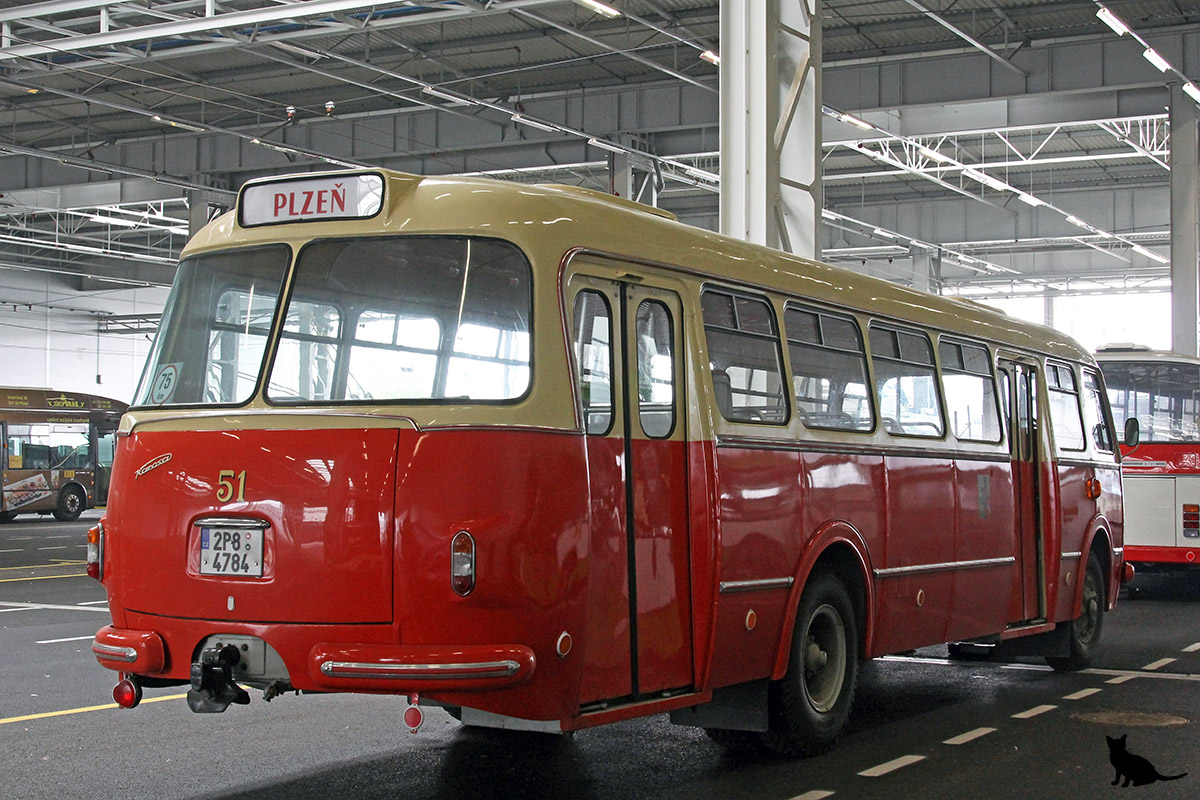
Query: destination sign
[319, 199]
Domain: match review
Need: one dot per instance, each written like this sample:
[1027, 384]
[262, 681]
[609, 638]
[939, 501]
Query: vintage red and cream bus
[1161, 391]
[56, 451]
[551, 459]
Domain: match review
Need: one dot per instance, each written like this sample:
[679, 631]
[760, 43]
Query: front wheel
[1084, 630]
[810, 705]
[70, 504]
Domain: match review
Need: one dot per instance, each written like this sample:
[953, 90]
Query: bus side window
[1094, 421]
[970, 392]
[906, 382]
[593, 357]
[829, 370]
[744, 354]
[1064, 407]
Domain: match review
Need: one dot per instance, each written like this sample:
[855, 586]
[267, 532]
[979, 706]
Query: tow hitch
[213, 688]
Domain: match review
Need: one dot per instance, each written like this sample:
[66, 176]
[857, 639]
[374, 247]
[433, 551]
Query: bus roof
[1123, 352]
[550, 222]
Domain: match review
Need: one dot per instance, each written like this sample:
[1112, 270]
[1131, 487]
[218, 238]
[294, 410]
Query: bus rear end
[333, 476]
[1161, 473]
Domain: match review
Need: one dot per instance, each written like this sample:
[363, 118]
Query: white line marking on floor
[1082, 693]
[20, 538]
[54, 547]
[891, 766]
[93, 603]
[17, 550]
[1121, 679]
[1191, 648]
[1033, 712]
[49, 606]
[71, 639]
[1162, 662]
[970, 736]
[815, 794]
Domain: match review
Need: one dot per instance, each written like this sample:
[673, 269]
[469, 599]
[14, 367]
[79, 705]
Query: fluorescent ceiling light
[600, 8]
[1113, 21]
[1078, 222]
[438, 93]
[711, 57]
[1191, 91]
[606, 145]
[934, 155]
[827, 214]
[1155, 59]
[856, 122]
[1030, 200]
[533, 123]
[886, 234]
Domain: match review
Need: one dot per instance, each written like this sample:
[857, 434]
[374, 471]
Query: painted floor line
[1167, 676]
[1033, 712]
[1162, 662]
[50, 607]
[1122, 679]
[1082, 693]
[44, 578]
[69, 639]
[54, 547]
[14, 550]
[1191, 648]
[970, 736]
[891, 766]
[815, 794]
[93, 603]
[68, 711]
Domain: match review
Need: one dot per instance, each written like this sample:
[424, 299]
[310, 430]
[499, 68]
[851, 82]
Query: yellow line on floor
[43, 577]
[65, 712]
[62, 563]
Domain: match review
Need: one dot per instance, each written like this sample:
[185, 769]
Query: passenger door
[1019, 387]
[630, 369]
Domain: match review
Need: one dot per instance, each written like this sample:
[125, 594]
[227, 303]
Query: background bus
[57, 451]
[1162, 473]
[551, 459]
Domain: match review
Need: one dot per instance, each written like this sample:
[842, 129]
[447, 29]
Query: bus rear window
[405, 319]
[213, 335]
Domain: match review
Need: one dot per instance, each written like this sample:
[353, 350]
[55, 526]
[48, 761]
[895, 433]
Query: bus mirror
[1132, 432]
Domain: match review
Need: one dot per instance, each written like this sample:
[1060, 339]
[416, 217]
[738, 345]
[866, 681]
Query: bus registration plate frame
[231, 551]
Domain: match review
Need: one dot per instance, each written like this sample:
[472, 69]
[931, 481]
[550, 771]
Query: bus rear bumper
[419, 668]
[140, 652]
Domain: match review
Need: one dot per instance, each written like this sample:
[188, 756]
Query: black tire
[810, 706]
[71, 503]
[1084, 630]
[7, 516]
[735, 741]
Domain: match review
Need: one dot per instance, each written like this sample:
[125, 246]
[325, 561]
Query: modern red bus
[550, 459]
[1162, 472]
[56, 450]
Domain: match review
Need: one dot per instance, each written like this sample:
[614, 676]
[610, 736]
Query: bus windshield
[1163, 395]
[408, 318]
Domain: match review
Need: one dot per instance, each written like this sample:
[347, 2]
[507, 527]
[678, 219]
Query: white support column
[771, 123]
[1185, 212]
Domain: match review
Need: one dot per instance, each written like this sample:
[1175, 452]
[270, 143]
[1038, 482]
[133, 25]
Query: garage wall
[49, 335]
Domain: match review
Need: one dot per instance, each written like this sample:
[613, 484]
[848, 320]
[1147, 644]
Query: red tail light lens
[462, 563]
[95, 552]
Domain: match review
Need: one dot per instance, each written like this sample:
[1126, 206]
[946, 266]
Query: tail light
[1191, 521]
[95, 552]
[462, 563]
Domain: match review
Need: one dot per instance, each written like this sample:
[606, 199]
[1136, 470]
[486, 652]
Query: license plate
[231, 551]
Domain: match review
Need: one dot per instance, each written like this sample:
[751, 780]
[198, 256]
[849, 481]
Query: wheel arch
[837, 547]
[1098, 540]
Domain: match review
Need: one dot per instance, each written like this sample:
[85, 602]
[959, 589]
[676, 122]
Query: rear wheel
[1084, 630]
[7, 516]
[810, 705]
[70, 504]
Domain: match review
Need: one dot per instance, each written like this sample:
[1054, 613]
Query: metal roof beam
[959, 32]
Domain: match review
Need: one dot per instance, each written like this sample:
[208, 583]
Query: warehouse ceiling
[99, 99]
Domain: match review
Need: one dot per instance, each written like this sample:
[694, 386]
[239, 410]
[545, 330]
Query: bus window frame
[897, 327]
[847, 315]
[1051, 389]
[960, 341]
[753, 295]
